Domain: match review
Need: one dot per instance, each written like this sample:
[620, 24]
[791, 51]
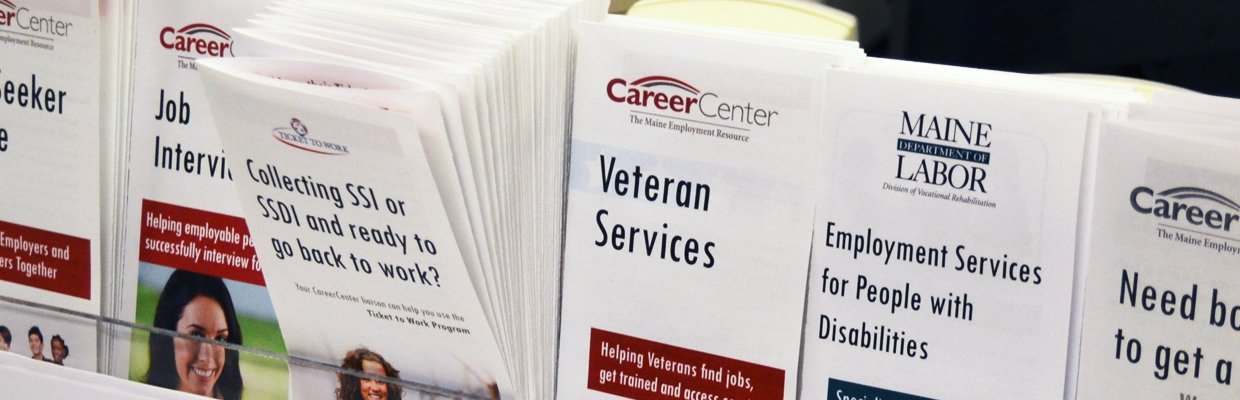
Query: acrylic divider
[111, 327]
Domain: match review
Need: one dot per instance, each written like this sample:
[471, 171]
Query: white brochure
[689, 216]
[1162, 299]
[49, 177]
[183, 228]
[943, 242]
[357, 250]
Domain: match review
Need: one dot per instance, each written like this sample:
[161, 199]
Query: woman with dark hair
[355, 388]
[59, 350]
[197, 305]
[6, 338]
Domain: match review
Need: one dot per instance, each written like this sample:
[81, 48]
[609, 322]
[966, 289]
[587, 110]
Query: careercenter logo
[665, 93]
[1210, 216]
[42, 26]
[1186, 203]
[197, 39]
[295, 134]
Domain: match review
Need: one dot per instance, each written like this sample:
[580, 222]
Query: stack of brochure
[945, 232]
[690, 210]
[936, 207]
[391, 188]
[400, 168]
[1159, 253]
[51, 211]
[182, 233]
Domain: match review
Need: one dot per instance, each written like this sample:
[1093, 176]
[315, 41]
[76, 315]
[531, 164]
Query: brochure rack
[114, 328]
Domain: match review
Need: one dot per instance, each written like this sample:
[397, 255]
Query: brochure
[357, 249]
[50, 157]
[1162, 288]
[501, 75]
[184, 234]
[944, 240]
[689, 218]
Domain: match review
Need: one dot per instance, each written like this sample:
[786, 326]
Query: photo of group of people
[48, 336]
[34, 337]
[207, 308]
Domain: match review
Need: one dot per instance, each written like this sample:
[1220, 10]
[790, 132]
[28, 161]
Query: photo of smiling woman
[355, 388]
[197, 305]
[59, 350]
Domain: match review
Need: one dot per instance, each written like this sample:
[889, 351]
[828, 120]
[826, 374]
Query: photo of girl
[196, 305]
[355, 388]
[59, 350]
[209, 297]
[211, 307]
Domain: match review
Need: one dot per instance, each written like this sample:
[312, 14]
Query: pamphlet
[690, 208]
[49, 155]
[944, 241]
[1162, 290]
[357, 250]
[184, 234]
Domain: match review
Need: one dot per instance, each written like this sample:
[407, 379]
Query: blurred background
[1194, 44]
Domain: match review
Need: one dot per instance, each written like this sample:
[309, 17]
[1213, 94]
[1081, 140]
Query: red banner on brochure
[641, 369]
[200, 241]
[44, 259]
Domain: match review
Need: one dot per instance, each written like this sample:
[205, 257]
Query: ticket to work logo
[297, 134]
[197, 40]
